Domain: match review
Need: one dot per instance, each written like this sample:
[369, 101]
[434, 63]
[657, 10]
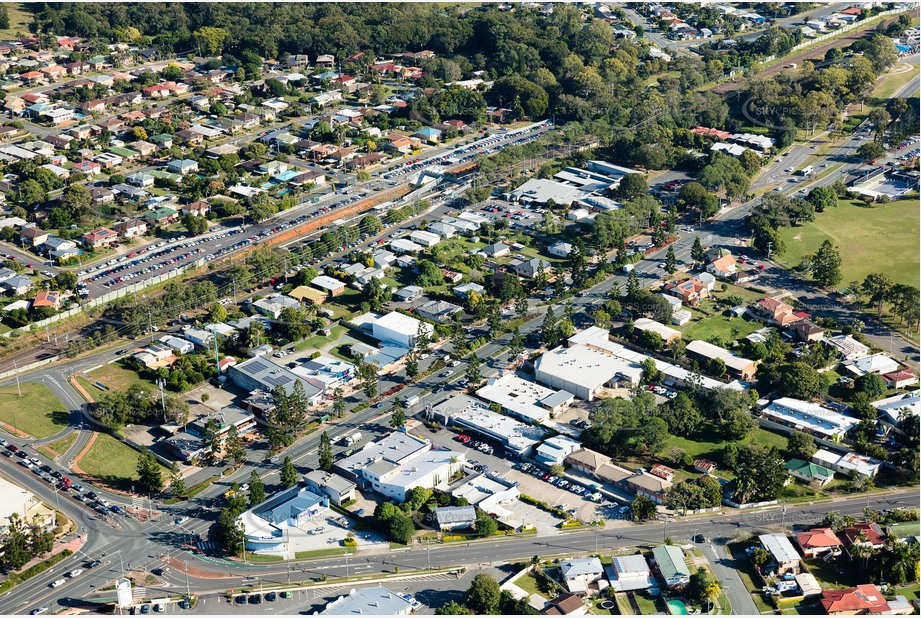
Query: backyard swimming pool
[677, 608]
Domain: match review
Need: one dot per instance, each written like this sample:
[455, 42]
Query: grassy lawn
[38, 413]
[749, 578]
[649, 606]
[720, 326]
[528, 583]
[909, 592]
[867, 239]
[113, 462]
[19, 20]
[258, 559]
[58, 447]
[887, 86]
[116, 377]
[321, 553]
[318, 341]
[834, 574]
[598, 610]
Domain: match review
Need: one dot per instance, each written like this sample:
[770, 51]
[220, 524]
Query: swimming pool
[677, 608]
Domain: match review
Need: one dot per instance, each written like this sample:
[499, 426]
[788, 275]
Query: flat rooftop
[523, 397]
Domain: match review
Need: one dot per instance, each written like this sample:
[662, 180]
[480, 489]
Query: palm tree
[534, 562]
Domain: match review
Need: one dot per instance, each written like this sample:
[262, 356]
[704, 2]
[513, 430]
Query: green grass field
[20, 19]
[59, 447]
[724, 328]
[879, 239]
[38, 413]
[115, 376]
[113, 462]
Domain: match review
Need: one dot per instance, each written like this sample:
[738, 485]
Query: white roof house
[524, 399]
[848, 347]
[877, 363]
[780, 548]
[893, 407]
[579, 573]
[402, 245]
[668, 334]
[330, 284]
[737, 364]
[630, 573]
[426, 239]
[810, 418]
[849, 464]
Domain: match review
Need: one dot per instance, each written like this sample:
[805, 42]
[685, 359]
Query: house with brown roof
[808, 332]
[663, 472]
[100, 237]
[865, 533]
[129, 228]
[705, 465]
[901, 378]
[50, 298]
[34, 235]
[55, 71]
[690, 291]
[200, 208]
[565, 604]
[775, 312]
[401, 143]
[817, 542]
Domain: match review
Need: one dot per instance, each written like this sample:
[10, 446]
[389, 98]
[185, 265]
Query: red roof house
[818, 542]
[865, 599]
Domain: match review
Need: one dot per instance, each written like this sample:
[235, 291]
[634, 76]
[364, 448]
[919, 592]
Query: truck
[806, 171]
[628, 268]
[411, 401]
[351, 439]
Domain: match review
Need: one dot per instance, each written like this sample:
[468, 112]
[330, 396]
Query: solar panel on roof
[257, 366]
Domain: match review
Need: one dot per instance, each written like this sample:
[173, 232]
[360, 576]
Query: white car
[75, 573]
[59, 582]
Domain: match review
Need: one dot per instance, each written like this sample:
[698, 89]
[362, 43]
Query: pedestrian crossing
[208, 547]
[139, 592]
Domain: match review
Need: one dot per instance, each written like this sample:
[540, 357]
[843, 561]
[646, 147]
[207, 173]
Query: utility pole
[217, 356]
[150, 325]
[188, 589]
[161, 383]
[16, 372]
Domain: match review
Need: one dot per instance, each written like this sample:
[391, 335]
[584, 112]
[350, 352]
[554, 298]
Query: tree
[877, 287]
[177, 481]
[65, 280]
[651, 340]
[716, 367]
[233, 446]
[210, 39]
[288, 473]
[473, 370]
[643, 508]
[870, 384]
[77, 199]
[760, 474]
[823, 198]
[486, 526]
[697, 251]
[397, 418]
[702, 588]
[826, 265]
[871, 151]
[801, 381]
[4, 17]
[217, 313]
[632, 185]
[150, 478]
[453, 608]
[484, 594]
[801, 445]
[195, 224]
[738, 425]
[325, 452]
[339, 408]
[651, 373]
[256, 489]
[671, 262]
[549, 330]
[681, 415]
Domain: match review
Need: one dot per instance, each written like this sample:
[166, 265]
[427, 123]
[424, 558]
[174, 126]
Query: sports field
[883, 238]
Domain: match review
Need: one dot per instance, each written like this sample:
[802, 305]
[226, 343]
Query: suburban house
[529, 269]
[775, 312]
[864, 599]
[565, 604]
[849, 349]
[877, 363]
[737, 366]
[817, 542]
[901, 378]
[809, 472]
[723, 267]
[100, 237]
[50, 298]
[580, 573]
[129, 228]
[783, 555]
[865, 534]
[808, 332]
[670, 564]
[631, 573]
[689, 291]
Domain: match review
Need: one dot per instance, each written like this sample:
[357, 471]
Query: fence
[844, 29]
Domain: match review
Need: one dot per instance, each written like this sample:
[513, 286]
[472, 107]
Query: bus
[806, 171]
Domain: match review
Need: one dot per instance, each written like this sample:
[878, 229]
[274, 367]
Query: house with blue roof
[429, 134]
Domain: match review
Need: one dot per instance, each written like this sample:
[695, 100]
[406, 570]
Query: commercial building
[21, 501]
[583, 370]
[556, 449]
[325, 372]
[809, 418]
[455, 517]
[472, 415]
[266, 527]
[333, 486]
[399, 462]
[375, 601]
[399, 329]
[524, 399]
[330, 285]
[492, 494]
[264, 375]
